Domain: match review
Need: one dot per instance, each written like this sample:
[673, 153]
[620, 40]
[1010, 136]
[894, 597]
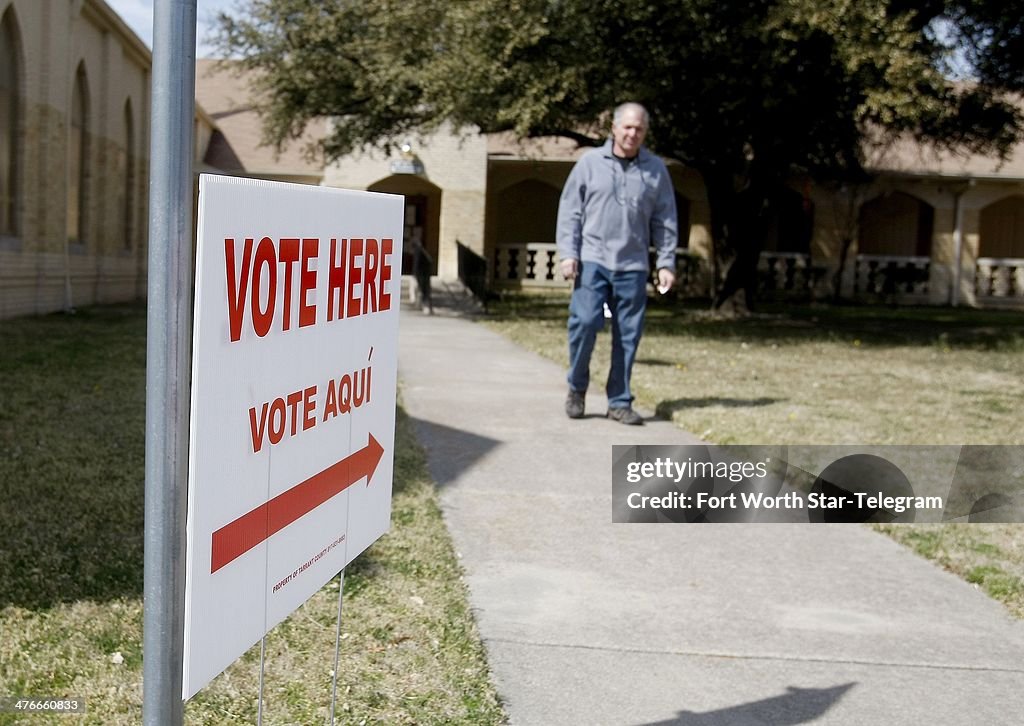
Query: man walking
[617, 202]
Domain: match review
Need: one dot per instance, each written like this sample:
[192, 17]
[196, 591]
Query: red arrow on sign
[238, 537]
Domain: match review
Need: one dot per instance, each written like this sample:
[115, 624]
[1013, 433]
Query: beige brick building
[74, 119]
[934, 228]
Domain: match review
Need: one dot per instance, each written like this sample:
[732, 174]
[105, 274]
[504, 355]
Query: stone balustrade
[999, 277]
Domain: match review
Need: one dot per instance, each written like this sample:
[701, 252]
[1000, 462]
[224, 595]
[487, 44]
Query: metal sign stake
[263, 660]
[337, 645]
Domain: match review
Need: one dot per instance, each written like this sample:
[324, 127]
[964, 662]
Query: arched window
[78, 159]
[128, 170]
[10, 111]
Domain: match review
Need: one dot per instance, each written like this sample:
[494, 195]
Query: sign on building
[293, 403]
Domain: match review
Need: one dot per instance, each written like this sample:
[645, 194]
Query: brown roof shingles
[910, 157]
[236, 145]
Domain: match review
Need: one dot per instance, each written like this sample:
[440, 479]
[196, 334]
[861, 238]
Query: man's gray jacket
[611, 216]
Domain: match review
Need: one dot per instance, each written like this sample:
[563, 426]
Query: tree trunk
[837, 281]
[739, 224]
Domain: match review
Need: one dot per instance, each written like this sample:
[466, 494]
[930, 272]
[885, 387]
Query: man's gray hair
[631, 106]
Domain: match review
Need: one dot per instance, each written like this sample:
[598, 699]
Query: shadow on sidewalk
[798, 705]
[450, 451]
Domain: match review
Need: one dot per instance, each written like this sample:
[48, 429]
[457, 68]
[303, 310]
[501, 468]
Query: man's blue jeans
[626, 295]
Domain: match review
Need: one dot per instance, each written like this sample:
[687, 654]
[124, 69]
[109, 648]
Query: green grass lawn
[71, 446]
[822, 374]
[72, 412]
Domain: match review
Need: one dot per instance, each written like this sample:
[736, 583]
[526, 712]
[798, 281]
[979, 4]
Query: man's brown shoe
[625, 415]
[574, 404]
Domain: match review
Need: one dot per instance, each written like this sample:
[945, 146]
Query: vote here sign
[293, 403]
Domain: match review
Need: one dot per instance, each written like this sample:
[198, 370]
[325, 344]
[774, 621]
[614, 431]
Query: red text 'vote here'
[271, 285]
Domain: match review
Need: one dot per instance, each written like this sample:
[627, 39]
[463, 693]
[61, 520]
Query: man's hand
[569, 267]
[666, 279]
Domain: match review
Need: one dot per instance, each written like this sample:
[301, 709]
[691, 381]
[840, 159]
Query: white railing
[527, 265]
[999, 277]
[787, 272]
[535, 264]
[891, 275]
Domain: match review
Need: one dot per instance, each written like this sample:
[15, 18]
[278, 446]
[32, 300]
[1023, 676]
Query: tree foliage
[990, 36]
[744, 91]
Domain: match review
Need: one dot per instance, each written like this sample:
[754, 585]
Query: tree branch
[580, 139]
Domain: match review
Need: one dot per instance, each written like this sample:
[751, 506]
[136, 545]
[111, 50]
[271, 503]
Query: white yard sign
[293, 403]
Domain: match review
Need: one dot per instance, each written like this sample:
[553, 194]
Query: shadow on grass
[782, 323]
[72, 437]
[410, 472]
[872, 326]
[667, 408]
[414, 502]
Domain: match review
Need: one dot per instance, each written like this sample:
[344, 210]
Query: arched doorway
[1002, 229]
[422, 213]
[896, 224]
[894, 246]
[792, 225]
[525, 212]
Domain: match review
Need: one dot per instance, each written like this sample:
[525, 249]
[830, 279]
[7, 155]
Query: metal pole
[263, 661]
[337, 646]
[168, 337]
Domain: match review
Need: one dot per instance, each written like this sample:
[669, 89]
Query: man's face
[628, 133]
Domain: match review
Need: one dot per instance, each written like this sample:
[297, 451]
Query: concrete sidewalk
[586, 622]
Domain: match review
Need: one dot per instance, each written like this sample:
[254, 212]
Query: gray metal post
[337, 643]
[168, 337]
